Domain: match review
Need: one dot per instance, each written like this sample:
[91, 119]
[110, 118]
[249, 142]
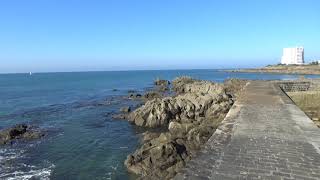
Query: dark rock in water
[126, 109]
[161, 82]
[134, 95]
[115, 90]
[20, 131]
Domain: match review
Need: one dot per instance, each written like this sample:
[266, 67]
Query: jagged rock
[161, 85]
[162, 88]
[20, 131]
[191, 118]
[198, 136]
[157, 158]
[147, 136]
[161, 82]
[179, 83]
[234, 86]
[194, 103]
[153, 114]
[151, 95]
[180, 130]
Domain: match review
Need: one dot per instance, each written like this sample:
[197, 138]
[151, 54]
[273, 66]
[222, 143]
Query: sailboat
[30, 73]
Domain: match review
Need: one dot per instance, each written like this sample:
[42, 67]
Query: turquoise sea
[83, 141]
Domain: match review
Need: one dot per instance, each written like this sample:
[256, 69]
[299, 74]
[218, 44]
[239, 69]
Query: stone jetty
[264, 136]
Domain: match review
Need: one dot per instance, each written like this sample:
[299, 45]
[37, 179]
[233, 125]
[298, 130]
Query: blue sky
[77, 35]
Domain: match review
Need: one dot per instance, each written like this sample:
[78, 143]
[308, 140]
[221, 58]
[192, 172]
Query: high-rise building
[293, 56]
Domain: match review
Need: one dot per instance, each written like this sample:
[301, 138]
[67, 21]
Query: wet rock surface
[20, 131]
[190, 117]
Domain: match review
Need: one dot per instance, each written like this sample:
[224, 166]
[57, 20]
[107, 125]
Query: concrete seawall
[299, 85]
[264, 136]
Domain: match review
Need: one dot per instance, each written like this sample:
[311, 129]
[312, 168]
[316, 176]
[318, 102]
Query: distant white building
[293, 56]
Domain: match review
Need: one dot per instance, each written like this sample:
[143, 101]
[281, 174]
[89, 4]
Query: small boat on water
[30, 73]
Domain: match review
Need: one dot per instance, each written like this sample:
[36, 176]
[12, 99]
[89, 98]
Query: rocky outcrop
[161, 82]
[179, 83]
[161, 85]
[234, 86]
[20, 131]
[123, 113]
[159, 158]
[125, 109]
[152, 95]
[200, 99]
[190, 118]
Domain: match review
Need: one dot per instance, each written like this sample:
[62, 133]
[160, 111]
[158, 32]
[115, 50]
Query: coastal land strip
[282, 69]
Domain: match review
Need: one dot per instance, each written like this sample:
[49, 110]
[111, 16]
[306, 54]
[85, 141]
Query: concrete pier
[264, 136]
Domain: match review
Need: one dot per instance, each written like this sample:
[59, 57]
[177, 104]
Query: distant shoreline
[282, 69]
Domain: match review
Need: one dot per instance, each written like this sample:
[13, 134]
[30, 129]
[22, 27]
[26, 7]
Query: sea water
[83, 141]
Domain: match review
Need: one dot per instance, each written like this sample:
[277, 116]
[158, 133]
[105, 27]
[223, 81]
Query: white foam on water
[43, 174]
[109, 174]
[20, 171]
[8, 154]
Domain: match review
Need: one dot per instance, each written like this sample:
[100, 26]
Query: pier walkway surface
[264, 136]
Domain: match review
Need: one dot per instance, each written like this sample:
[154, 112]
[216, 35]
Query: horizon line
[80, 71]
